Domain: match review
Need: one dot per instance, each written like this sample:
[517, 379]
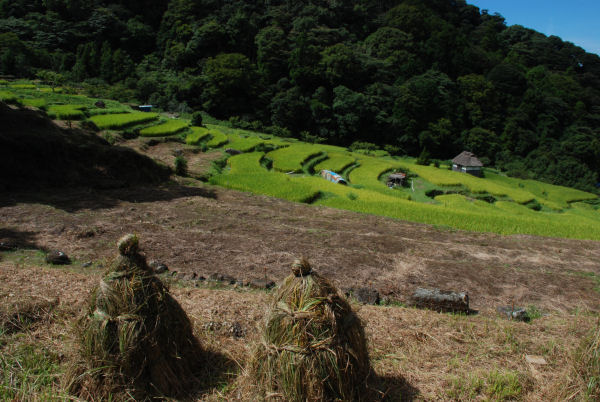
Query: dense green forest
[414, 76]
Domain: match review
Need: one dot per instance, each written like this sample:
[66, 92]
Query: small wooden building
[396, 179]
[145, 108]
[332, 177]
[467, 162]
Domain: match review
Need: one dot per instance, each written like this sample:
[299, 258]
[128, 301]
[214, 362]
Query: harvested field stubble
[135, 339]
[313, 345]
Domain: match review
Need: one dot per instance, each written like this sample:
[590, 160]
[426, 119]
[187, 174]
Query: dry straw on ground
[313, 345]
[135, 339]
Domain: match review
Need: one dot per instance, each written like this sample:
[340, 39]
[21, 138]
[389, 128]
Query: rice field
[335, 162]
[218, 138]
[291, 158]
[39, 103]
[562, 215]
[167, 128]
[243, 144]
[246, 163]
[445, 177]
[197, 135]
[8, 97]
[66, 112]
[123, 120]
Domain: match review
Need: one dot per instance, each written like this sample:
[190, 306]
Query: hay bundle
[135, 339]
[313, 345]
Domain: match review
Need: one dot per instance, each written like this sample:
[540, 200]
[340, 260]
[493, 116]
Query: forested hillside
[413, 75]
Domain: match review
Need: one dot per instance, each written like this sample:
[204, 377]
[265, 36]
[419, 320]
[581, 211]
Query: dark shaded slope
[36, 153]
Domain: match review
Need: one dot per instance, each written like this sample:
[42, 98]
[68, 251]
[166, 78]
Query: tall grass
[118, 121]
[170, 127]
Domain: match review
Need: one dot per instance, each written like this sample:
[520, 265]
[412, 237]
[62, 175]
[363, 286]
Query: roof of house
[467, 158]
[397, 176]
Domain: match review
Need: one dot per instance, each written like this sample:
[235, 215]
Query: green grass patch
[39, 103]
[274, 184]
[100, 111]
[28, 372]
[553, 196]
[218, 138]
[336, 162]
[243, 144]
[197, 135]
[22, 86]
[444, 177]
[167, 128]
[8, 97]
[246, 163]
[290, 159]
[119, 121]
[66, 112]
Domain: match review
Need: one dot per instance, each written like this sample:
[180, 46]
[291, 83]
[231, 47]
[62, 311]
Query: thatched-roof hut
[467, 162]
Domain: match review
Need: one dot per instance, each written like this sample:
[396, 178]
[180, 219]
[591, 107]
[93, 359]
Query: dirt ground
[415, 354]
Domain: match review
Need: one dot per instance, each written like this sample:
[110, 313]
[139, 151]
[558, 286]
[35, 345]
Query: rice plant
[218, 138]
[290, 159]
[197, 135]
[167, 128]
[119, 121]
[66, 112]
[39, 103]
[335, 162]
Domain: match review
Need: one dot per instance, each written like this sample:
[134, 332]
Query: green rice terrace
[289, 169]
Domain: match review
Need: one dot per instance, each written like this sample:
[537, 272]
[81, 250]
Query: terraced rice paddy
[167, 128]
[197, 135]
[39, 103]
[118, 121]
[217, 137]
[66, 112]
[455, 203]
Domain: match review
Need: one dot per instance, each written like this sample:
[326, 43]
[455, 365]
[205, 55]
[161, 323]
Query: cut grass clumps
[135, 339]
[313, 345]
[119, 121]
[167, 128]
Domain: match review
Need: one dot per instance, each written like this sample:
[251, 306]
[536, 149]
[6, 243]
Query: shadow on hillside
[387, 388]
[73, 200]
[12, 239]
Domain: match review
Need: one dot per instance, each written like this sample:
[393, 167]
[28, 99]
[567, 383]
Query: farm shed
[333, 177]
[396, 179]
[145, 108]
[467, 162]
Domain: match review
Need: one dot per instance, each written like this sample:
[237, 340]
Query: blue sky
[576, 21]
